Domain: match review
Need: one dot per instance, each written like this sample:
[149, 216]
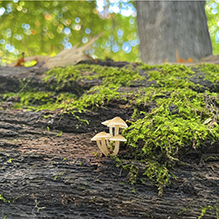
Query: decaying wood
[48, 176]
[64, 58]
[71, 56]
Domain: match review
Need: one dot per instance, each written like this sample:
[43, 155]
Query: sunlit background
[47, 27]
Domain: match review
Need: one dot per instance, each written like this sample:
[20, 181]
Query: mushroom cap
[117, 121]
[117, 138]
[101, 135]
[106, 122]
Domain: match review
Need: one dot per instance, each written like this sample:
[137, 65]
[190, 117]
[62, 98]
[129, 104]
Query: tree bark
[165, 27]
[45, 175]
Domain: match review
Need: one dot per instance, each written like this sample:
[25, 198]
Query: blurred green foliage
[211, 10]
[34, 27]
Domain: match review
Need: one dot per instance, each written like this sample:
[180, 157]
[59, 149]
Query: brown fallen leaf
[180, 60]
[40, 59]
[20, 62]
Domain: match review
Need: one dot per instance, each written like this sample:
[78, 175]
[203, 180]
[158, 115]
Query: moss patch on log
[171, 117]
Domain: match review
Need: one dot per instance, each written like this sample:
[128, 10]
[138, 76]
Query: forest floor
[58, 172]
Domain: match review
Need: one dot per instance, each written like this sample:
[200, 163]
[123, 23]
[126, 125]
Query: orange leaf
[20, 62]
[189, 60]
[180, 60]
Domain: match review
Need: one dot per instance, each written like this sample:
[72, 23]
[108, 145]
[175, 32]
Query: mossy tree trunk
[167, 26]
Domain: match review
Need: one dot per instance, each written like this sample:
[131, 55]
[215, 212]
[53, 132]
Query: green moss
[40, 100]
[211, 72]
[210, 208]
[108, 75]
[62, 75]
[145, 66]
[171, 116]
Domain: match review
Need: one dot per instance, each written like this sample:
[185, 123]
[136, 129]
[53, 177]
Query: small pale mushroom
[110, 128]
[102, 136]
[117, 123]
[108, 136]
[117, 139]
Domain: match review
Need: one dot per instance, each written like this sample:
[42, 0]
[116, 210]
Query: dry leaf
[180, 60]
[40, 59]
[20, 62]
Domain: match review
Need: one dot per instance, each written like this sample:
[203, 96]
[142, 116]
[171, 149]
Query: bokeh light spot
[60, 15]
[27, 26]
[214, 5]
[108, 43]
[45, 28]
[126, 47]
[111, 37]
[50, 35]
[137, 41]
[214, 11]
[66, 39]
[28, 32]
[217, 37]
[16, 52]
[84, 39]
[67, 22]
[77, 27]
[131, 20]
[33, 32]
[65, 8]
[48, 17]
[87, 31]
[68, 45]
[19, 8]
[120, 32]
[19, 37]
[115, 48]
[77, 19]
[67, 31]
[8, 30]
[9, 9]
[24, 10]
[2, 41]
[2, 11]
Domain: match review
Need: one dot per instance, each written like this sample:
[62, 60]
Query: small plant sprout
[117, 123]
[102, 136]
[117, 139]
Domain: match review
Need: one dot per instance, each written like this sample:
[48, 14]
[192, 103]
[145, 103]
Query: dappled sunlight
[38, 24]
[65, 24]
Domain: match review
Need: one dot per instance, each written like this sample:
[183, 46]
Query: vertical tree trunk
[167, 26]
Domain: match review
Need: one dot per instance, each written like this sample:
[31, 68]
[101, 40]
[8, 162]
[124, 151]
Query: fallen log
[51, 169]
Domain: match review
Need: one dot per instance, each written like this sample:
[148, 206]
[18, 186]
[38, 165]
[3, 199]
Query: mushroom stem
[100, 146]
[116, 149]
[107, 142]
[111, 130]
[103, 147]
[116, 130]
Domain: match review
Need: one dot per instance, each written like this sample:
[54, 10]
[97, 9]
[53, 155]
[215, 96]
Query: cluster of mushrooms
[103, 138]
